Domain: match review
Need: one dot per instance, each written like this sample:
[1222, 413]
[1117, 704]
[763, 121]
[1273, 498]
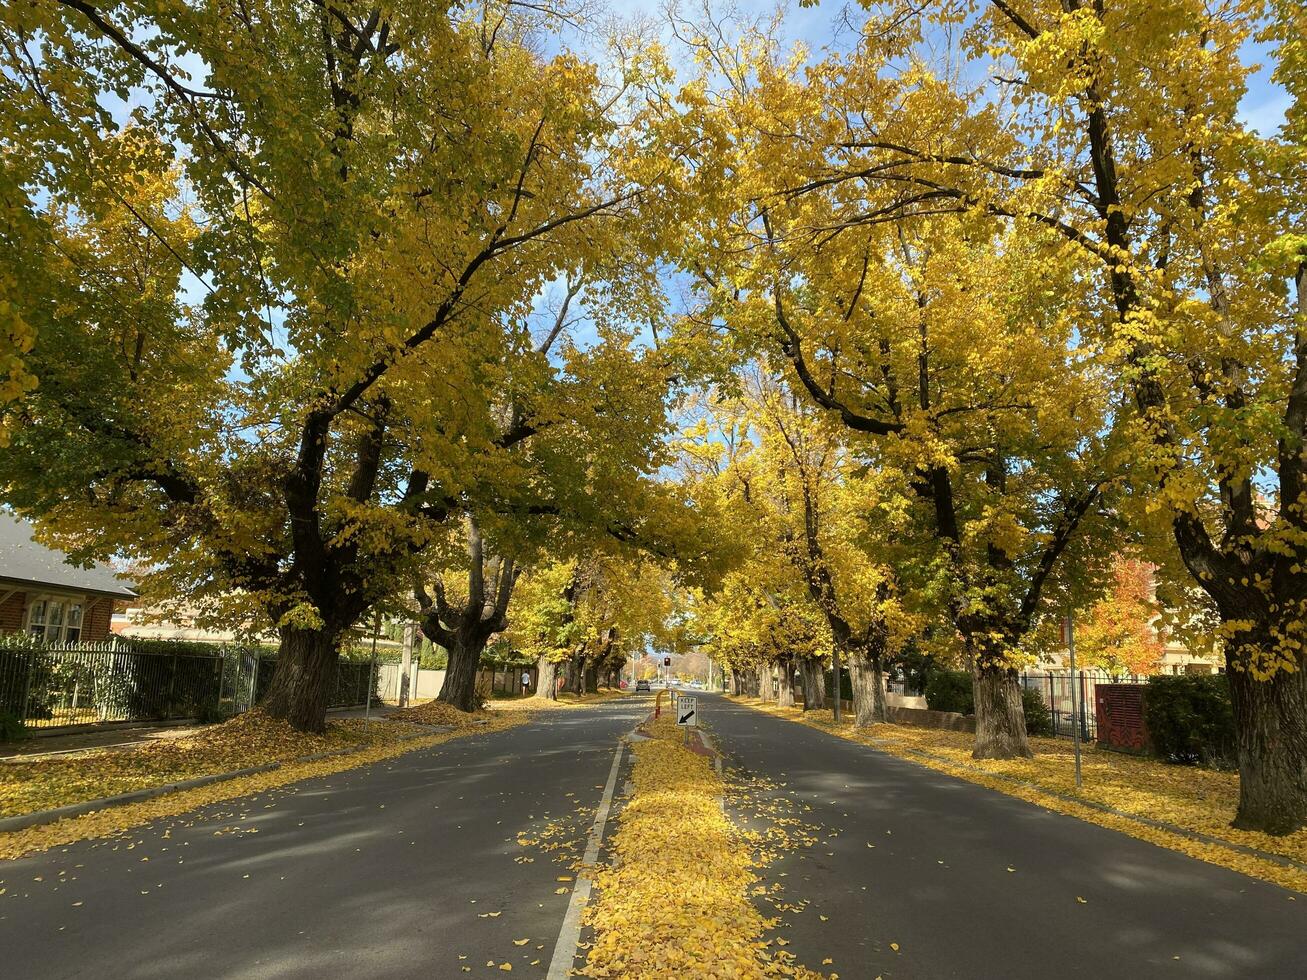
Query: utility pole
[372, 668]
[1069, 631]
[835, 670]
[406, 664]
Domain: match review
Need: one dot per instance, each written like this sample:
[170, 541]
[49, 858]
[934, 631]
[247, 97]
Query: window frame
[66, 603]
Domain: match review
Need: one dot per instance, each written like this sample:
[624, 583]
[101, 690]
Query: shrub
[1039, 720]
[211, 713]
[12, 728]
[950, 690]
[1190, 719]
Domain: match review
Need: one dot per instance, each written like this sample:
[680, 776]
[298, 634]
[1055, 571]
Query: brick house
[42, 594]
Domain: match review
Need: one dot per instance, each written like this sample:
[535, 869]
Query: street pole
[406, 664]
[372, 669]
[1075, 713]
[835, 671]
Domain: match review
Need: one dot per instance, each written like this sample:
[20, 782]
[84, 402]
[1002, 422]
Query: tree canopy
[550, 330]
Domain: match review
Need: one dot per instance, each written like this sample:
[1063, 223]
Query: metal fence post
[27, 686]
[172, 684]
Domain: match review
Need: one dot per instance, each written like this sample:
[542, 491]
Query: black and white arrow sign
[686, 711]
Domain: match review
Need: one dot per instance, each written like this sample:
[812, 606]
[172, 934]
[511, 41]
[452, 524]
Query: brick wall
[95, 619]
[95, 622]
[11, 612]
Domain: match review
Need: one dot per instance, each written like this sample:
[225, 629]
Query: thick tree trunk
[590, 678]
[734, 684]
[305, 679]
[814, 686]
[460, 687]
[766, 687]
[785, 683]
[1271, 724]
[867, 677]
[572, 675]
[547, 686]
[1000, 717]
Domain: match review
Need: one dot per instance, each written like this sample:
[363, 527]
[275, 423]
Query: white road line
[560, 966]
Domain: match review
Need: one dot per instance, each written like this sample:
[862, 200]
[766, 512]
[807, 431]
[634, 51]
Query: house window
[55, 620]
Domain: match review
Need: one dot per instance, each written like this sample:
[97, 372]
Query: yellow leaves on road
[380, 744]
[438, 713]
[676, 903]
[246, 741]
[1191, 799]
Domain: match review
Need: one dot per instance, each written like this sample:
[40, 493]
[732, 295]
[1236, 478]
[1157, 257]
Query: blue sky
[819, 27]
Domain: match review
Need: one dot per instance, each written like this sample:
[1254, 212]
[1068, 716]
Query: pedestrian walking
[526, 682]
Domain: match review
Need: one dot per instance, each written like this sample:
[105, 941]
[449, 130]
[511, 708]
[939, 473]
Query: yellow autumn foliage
[676, 902]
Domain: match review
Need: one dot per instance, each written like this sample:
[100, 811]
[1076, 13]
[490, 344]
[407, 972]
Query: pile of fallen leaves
[248, 740]
[677, 901]
[1193, 800]
[437, 713]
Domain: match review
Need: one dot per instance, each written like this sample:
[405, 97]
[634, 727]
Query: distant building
[1176, 659]
[45, 596]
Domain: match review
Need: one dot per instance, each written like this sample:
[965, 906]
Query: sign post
[1069, 637]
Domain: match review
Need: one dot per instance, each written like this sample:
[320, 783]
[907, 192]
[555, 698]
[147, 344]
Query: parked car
[642, 685]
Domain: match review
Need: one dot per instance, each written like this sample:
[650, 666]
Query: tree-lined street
[936, 879]
[395, 396]
[393, 870]
[413, 868]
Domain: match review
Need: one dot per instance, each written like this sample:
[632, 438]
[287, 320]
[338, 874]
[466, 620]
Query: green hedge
[1039, 720]
[846, 683]
[1190, 719]
[950, 690]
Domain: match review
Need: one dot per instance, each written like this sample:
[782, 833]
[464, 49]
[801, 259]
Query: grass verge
[1193, 800]
[677, 901]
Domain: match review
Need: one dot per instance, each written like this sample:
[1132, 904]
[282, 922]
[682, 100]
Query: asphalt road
[395, 870]
[391, 870]
[971, 883]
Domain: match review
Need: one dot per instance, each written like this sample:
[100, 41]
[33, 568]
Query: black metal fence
[88, 683]
[1056, 688]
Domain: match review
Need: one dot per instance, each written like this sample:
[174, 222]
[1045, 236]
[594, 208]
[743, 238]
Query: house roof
[24, 561]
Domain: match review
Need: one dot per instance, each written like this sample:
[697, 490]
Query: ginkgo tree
[277, 310]
[815, 509]
[948, 345]
[1116, 131]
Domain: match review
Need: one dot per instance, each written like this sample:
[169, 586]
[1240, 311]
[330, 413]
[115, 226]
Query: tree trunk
[785, 683]
[305, 678]
[814, 688]
[590, 678]
[547, 686]
[1000, 717]
[868, 679]
[766, 686]
[1271, 724]
[460, 687]
[735, 686]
